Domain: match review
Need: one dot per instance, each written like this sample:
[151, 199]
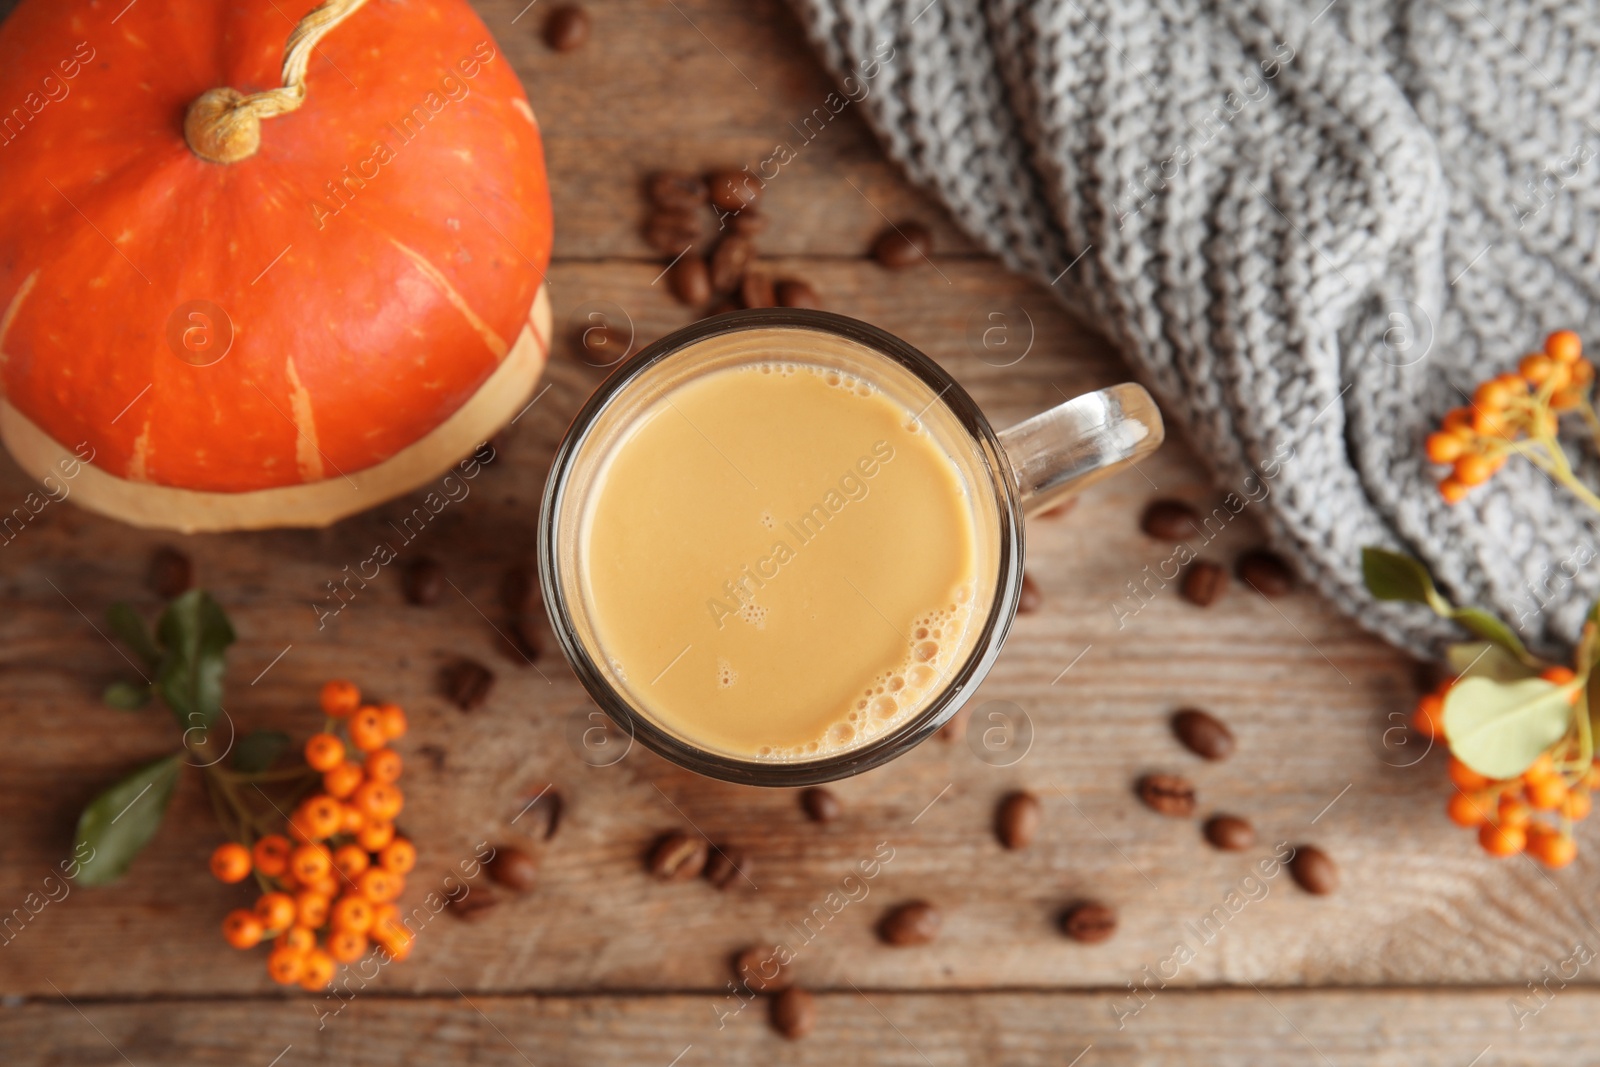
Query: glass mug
[1003, 476]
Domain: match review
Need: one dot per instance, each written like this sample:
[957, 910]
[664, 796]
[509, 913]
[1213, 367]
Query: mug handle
[1073, 445]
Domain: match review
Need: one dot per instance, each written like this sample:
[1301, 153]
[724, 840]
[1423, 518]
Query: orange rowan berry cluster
[339, 866]
[1531, 813]
[1508, 412]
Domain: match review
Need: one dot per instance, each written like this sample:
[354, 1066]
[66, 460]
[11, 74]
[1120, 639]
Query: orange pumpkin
[317, 325]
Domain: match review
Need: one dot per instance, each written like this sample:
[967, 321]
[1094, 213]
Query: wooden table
[1415, 960]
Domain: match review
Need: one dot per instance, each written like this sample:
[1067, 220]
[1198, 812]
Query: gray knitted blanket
[1309, 228]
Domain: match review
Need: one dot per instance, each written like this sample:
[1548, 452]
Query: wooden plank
[1242, 1028]
[1305, 691]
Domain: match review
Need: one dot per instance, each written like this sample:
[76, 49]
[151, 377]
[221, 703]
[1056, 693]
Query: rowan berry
[1492, 395]
[271, 855]
[1487, 422]
[317, 970]
[353, 819]
[284, 964]
[351, 912]
[379, 800]
[398, 944]
[1577, 805]
[1558, 675]
[366, 729]
[342, 780]
[321, 816]
[1582, 372]
[328, 885]
[376, 834]
[1501, 840]
[310, 908]
[1567, 400]
[1457, 419]
[379, 885]
[1551, 847]
[1470, 809]
[311, 862]
[1453, 490]
[1512, 811]
[230, 862]
[383, 765]
[1445, 447]
[1465, 777]
[393, 720]
[1543, 767]
[324, 752]
[1546, 794]
[242, 929]
[275, 910]
[340, 698]
[347, 946]
[1474, 468]
[351, 860]
[1428, 719]
[299, 938]
[1564, 346]
[398, 856]
[1535, 367]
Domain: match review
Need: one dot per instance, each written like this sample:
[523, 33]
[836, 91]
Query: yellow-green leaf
[1392, 576]
[1499, 728]
[1486, 626]
[1486, 659]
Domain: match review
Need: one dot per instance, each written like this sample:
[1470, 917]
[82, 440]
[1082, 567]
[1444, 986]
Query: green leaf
[127, 696]
[123, 819]
[131, 631]
[1487, 659]
[259, 749]
[1391, 576]
[1489, 628]
[196, 634]
[1499, 728]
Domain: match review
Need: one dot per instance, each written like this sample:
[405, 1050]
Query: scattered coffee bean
[1089, 922]
[690, 280]
[747, 223]
[1169, 794]
[1170, 520]
[489, 452]
[794, 1013]
[1203, 583]
[170, 573]
[821, 805]
[1314, 870]
[755, 291]
[914, 923]
[672, 232]
[1029, 600]
[1265, 572]
[734, 190]
[793, 293]
[675, 190]
[513, 868]
[730, 261]
[678, 857]
[727, 864]
[519, 642]
[604, 345]
[1230, 833]
[472, 906]
[763, 969]
[957, 726]
[903, 246]
[1203, 733]
[467, 683]
[516, 589]
[422, 581]
[1017, 820]
[434, 754]
[549, 799]
[567, 28]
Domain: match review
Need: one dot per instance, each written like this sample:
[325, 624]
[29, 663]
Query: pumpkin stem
[224, 125]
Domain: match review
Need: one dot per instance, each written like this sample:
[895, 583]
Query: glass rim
[961, 684]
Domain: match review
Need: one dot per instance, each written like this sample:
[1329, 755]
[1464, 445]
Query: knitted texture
[1311, 232]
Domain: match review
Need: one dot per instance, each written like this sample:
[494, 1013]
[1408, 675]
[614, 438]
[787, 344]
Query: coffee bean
[1029, 600]
[675, 190]
[1265, 572]
[472, 906]
[720, 306]
[794, 1013]
[604, 345]
[513, 868]
[755, 291]
[903, 246]
[1170, 520]
[690, 280]
[763, 969]
[914, 923]
[548, 798]
[957, 726]
[793, 293]
[747, 223]
[1314, 870]
[1169, 794]
[489, 452]
[434, 754]
[170, 573]
[734, 190]
[730, 261]
[467, 683]
[1230, 833]
[519, 642]
[672, 232]
[678, 857]
[567, 28]
[422, 581]
[821, 805]
[1060, 509]
[516, 589]
[1203, 733]
[1089, 922]
[1203, 583]
[726, 865]
[1017, 820]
